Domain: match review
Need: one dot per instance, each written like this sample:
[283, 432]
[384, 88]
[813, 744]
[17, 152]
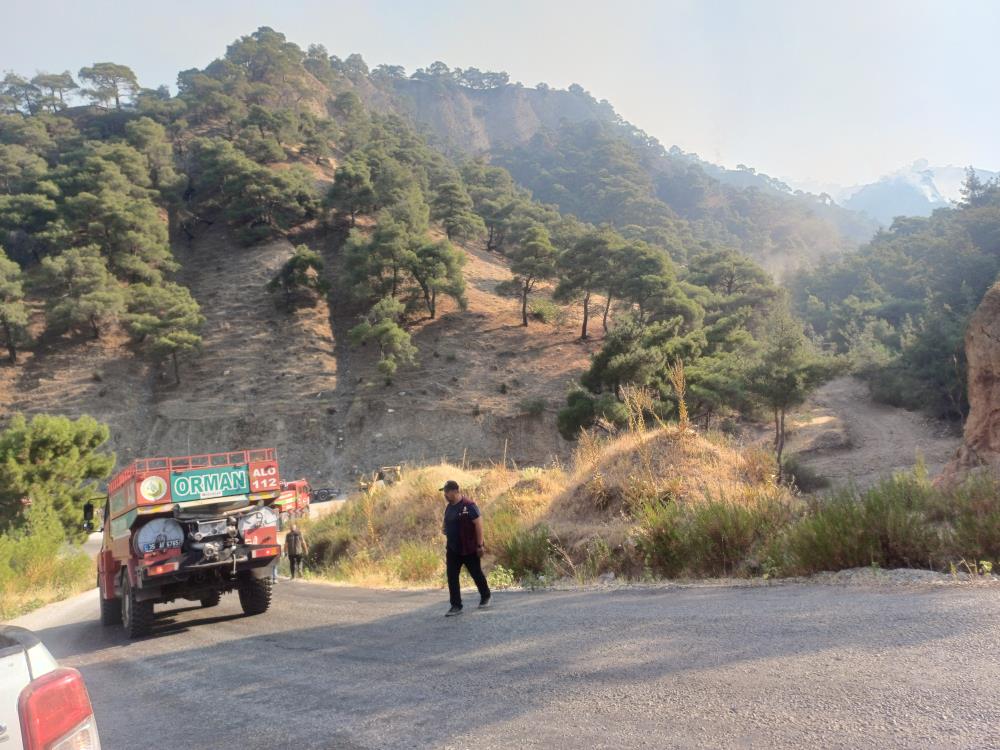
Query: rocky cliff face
[981, 441]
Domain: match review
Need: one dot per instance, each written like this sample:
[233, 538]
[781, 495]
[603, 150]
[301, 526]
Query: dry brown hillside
[290, 379]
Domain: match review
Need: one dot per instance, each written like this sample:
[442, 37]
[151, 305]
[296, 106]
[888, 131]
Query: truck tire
[255, 595]
[212, 600]
[137, 616]
[111, 610]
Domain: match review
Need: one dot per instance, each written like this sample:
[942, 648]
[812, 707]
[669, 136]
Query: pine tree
[533, 260]
[381, 325]
[583, 269]
[452, 206]
[789, 369]
[166, 319]
[13, 310]
[84, 291]
[110, 82]
[302, 272]
[53, 460]
[352, 192]
[437, 267]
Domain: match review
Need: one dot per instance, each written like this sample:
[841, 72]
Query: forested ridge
[900, 306]
[579, 154]
[660, 259]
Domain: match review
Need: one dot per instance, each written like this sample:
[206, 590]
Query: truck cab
[188, 527]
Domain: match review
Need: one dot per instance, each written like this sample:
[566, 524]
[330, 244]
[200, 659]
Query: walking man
[296, 548]
[463, 528]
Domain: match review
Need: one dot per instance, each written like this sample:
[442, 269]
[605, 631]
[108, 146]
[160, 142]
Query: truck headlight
[257, 518]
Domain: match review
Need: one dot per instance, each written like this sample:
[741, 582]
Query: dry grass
[612, 476]
[37, 579]
[591, 513]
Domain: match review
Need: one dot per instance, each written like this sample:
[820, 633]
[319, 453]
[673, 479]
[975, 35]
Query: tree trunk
[524, 305]
[607, 309]
[93, 325]
[177, 371]
[11, 349]
[432, 303]
[779, 446]
[586, 315]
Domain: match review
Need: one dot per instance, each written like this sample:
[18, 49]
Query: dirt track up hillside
[846, 437]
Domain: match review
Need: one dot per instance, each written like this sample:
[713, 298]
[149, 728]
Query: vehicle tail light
[266, 552]
[56, 713]
[159, 570]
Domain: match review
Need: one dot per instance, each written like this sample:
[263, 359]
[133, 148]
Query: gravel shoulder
[877, 662]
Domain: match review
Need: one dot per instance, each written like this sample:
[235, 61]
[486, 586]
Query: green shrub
[547, 311]
[583, 409]
[887, 525]
[661, 536]
[504, 524]
[528, 552]
[500, 578]
[37, 565]
[329, 540]
[418, 562]
[533, 407]
[802, 476]
[597, 560]
[720, 536]
[974, 512]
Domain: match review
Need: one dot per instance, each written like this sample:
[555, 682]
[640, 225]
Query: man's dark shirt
[453, 524]
[294, 542]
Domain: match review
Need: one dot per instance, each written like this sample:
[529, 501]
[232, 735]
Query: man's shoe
[453, 612]
[485, 603]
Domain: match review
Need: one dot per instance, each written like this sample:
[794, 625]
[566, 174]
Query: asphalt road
[786, 666]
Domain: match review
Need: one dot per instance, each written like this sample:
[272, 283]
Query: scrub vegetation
[659, 502]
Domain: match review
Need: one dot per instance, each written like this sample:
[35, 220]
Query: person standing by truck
[463, 528]
[296, 548]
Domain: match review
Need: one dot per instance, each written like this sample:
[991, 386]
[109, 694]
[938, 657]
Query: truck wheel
[212, 600]
[111, 609]
[255, 595]
[137, 616]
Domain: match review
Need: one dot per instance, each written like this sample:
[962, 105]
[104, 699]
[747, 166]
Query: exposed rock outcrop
[981, 440]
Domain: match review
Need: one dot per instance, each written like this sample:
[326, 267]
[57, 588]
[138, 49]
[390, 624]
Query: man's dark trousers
[455, 562]
[295, 562]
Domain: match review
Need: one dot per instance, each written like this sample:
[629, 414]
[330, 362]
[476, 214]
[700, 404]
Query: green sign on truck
[207, 483]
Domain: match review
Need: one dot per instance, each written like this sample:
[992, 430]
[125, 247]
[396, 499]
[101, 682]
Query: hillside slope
[267, 376]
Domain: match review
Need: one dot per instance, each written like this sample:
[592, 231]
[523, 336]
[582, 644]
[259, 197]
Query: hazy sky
[813, 91]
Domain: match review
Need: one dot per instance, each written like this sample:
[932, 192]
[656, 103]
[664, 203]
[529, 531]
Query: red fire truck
[293, 502]
[189, 527]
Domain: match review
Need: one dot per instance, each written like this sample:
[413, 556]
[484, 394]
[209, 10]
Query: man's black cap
[451, 484]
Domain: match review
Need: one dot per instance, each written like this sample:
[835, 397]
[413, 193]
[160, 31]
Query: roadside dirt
[843, 435]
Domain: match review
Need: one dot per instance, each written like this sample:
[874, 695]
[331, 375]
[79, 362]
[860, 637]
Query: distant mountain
[915, 190]
[576, 152]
